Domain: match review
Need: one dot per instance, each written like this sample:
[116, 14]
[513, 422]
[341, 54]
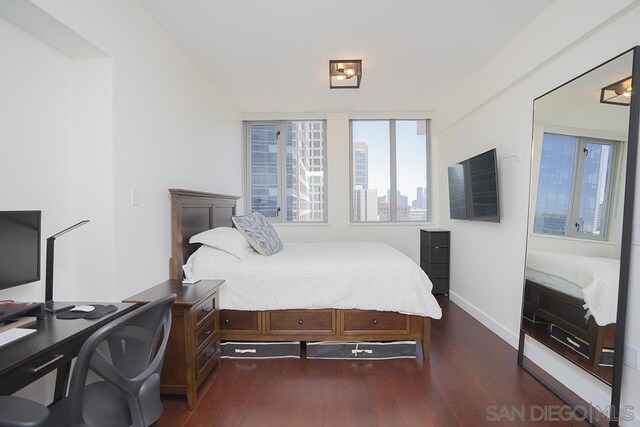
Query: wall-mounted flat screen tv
[19, 247]
[473, 188]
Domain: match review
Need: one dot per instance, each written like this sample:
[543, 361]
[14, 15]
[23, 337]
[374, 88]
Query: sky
[411, 155]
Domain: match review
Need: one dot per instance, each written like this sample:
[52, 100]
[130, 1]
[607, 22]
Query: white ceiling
[577, 104]
[272, 56]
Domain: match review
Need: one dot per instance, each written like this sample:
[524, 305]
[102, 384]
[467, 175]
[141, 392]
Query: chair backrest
[128, 354]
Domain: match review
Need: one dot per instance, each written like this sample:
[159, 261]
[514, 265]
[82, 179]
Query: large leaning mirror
[581, 202]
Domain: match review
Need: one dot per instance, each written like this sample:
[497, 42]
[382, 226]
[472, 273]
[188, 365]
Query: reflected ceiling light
[618, 93]
[345, 73]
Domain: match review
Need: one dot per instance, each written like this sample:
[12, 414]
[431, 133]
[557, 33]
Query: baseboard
[487, 321]
[587, 388]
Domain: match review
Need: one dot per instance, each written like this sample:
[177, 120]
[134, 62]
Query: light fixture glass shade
[345, 73]
[618, 93]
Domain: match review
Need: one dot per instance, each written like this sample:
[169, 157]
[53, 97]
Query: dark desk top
[52, 333]
[186, 295]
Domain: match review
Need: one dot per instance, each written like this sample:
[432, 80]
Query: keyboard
[14, 334]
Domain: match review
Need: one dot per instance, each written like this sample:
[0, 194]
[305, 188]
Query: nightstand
[434, 258]
[194, 343]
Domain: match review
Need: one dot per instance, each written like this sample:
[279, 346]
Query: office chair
[116, 378]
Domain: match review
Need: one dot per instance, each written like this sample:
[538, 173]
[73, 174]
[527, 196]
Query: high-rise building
[365, 200]
[305, 170]
[366, 205]
[360, 165]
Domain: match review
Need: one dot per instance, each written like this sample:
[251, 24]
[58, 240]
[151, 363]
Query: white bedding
[367, 276]
[554, 282]
[597, 277]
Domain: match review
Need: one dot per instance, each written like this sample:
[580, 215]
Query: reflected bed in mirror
[575, 243]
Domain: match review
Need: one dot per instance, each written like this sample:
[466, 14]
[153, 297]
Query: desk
[54, 346]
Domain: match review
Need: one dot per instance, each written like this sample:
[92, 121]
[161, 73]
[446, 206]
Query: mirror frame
[625, 247]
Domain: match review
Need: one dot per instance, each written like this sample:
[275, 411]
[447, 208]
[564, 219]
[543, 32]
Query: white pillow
[210, 263]
[224, 238]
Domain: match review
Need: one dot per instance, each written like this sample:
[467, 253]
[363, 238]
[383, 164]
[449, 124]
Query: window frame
[393, 185]
[281, 168]
[576, 188]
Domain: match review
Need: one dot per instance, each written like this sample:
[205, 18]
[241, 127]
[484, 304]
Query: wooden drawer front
[359, 321]
[240, 321]
[208, 357]
[205, 333]
[294, 321]
[204, 311]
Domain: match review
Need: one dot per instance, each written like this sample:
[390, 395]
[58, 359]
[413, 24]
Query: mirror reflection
[575, 227]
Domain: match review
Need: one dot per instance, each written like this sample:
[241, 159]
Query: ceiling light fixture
[618, 93]
[345, 73]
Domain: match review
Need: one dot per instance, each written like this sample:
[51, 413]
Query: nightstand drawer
[438, 255]
[434, 238]
[435, 271]
[204, 311]
[292, 321]
[207, 358]
[240, 321]
[358, 321]
[207, 331]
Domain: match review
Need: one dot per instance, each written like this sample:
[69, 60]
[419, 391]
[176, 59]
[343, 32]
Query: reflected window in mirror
[574, 186]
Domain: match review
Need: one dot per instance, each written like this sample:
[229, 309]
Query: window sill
[393, 224]
[300, 224]
[573, 239]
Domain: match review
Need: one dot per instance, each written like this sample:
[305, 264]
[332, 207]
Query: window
[389, 169]
[575, 186]
[286, 163]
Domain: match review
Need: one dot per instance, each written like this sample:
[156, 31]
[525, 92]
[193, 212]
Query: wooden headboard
[191, 213]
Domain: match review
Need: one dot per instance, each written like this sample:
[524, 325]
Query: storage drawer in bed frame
[318, 325]
[542, 304]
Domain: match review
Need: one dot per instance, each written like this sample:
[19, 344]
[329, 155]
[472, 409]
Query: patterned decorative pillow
[259, 233]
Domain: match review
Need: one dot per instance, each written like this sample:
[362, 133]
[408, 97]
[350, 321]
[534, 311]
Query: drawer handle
[375, 321]
[226, 321]
[573, 343]
[208, 354]
[436, 247]
[207, 333]
[245, 350]
[44, 365]
[206, 310]
[300, 321]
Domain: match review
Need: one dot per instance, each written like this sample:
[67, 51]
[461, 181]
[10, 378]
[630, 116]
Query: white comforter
[368, 276]
[597, 277]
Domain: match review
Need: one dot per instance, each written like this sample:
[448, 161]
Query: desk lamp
[49, 305]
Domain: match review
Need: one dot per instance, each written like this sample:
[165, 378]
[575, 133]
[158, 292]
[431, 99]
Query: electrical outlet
[631, 356]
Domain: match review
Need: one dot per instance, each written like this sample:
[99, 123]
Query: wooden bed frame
[193, 212]
[567, 312]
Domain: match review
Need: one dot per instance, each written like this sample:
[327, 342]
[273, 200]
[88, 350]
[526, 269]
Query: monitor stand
[56, 307]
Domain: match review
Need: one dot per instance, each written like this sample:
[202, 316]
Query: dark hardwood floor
[472, 379]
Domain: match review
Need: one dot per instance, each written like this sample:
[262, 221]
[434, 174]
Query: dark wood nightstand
[194, 344]
[434, 258]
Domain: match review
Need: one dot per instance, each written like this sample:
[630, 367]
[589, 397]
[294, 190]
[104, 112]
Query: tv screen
[457, 192]
[19, 247]
[473, 188]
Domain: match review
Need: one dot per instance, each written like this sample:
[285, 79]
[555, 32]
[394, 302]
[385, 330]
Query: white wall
[494, 109]
[145, 117]
[35, 141]
[403, 236]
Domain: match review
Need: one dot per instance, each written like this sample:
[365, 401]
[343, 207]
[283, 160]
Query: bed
[306, 312]
[578, 296]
